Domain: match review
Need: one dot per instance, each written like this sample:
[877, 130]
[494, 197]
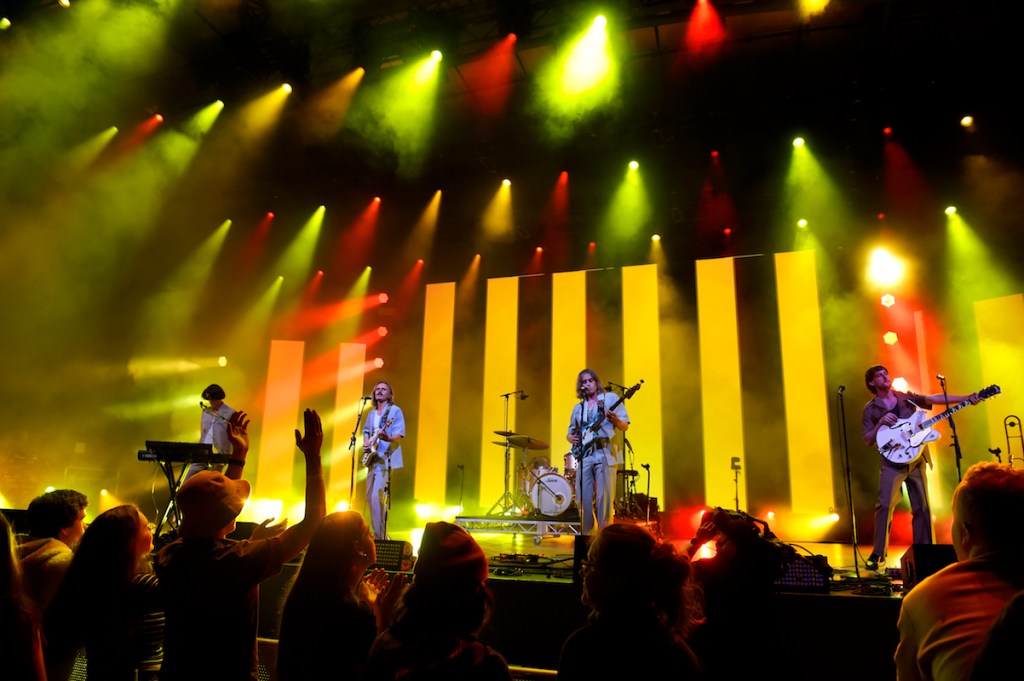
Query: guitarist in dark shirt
[591, 429]
[886, 409]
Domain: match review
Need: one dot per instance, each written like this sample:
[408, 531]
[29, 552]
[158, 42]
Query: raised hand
[267, 531]
[238, 434]
[313, 440]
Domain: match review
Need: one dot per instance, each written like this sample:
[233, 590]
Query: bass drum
[551, 494]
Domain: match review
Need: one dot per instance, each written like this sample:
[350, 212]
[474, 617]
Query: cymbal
[504, 433]
[527, 442]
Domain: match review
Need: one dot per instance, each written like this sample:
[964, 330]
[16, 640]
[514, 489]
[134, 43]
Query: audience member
[641, 598]
[999, 652]
[56, 522]
[946, 617]
[211, 583]
[21, 650]
[434, 635]
[109, 602]
[332, 612]
[738, 587]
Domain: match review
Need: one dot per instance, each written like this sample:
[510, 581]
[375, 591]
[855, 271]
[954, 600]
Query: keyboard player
[213, 428]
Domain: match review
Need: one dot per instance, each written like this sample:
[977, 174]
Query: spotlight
[378, 362]
[382, 297]
[382, 331]
[888, 300]
[890, 338]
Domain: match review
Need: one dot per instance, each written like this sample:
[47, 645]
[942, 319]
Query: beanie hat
[449, 556]
[209, 501]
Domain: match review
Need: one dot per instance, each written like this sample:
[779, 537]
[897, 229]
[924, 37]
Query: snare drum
[551, 494]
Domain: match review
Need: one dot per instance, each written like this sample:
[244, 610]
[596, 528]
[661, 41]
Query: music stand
[166, 454]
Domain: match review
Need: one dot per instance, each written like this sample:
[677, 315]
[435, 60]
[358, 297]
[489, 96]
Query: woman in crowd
[434, 635]
[109, 602]
[641, 597]
[21, 651]
[332, 613]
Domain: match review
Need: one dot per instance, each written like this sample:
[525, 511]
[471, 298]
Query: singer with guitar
[382, 453]
[887, 409]
[591, 431]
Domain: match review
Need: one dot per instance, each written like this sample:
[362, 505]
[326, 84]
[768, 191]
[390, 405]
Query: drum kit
[540, 489]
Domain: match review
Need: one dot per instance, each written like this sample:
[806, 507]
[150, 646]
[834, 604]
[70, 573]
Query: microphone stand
[507, 501]
[952, 428]
[462, 484]
[351, 448]
[845, 457]
[387, 490]
[647, 467]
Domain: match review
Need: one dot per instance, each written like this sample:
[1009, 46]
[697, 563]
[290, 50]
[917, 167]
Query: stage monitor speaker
[922, 560]
[393, 555]
[805, 575]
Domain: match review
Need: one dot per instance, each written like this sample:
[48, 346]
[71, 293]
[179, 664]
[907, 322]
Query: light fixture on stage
[378, 362]
[888, 300]
[890, 338]
[382, 331]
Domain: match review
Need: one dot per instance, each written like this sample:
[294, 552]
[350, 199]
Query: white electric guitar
[370, 445]
[902, 442]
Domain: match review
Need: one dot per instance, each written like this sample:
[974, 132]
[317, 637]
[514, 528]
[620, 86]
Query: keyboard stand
[165, 455]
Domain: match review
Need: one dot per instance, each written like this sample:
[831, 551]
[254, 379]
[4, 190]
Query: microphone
[522, 395]
[841, 389]
[940, 377]
[460, 466]
[645, 466]
[367, 397]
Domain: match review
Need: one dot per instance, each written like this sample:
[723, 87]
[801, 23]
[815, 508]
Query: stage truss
[537, 527]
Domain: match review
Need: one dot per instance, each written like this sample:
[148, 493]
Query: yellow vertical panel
[341, 465]
[803, 383]
[641, 357]
[1000, 323]
[500, 341]
[434, 415]
[568, 353]
[280, 418]
[721, 394]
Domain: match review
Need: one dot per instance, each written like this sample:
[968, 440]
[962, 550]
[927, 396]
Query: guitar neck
[944, 415]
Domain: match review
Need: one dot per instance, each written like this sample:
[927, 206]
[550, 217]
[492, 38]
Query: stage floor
[544, 548]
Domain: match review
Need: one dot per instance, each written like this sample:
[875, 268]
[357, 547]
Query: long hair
[643, 579]
[94, 594]
[323, 575]
[324, 582]
[579, 382]
[19, 624]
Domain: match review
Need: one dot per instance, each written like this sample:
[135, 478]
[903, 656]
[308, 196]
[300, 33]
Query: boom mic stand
[352, 447]
[952, 428]
[845, 456]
